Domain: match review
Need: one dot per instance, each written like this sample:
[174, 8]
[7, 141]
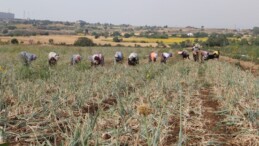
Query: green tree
[126, 35]
[84, 41]
[200, 34]
[217, 40]
[116, 34]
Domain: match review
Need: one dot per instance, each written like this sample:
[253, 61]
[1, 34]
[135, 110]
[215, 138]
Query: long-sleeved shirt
[118, 56]
[204, 54]
[53, 55]
[97, 59]
[76, 58]
[153, 56]
[184, 53]
[27, 58]
[167, 55]
[133, 56]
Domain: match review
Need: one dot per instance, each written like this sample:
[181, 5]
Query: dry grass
[68, 39]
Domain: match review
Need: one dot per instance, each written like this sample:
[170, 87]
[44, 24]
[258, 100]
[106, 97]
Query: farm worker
[184, 54]
[76, 58]
[195, 52]
[118, 57]
[133, 59]
[213, 55]
[53, 58]
[27, 58]
[153, 57]
[165, 56]
[204, 55]
[216, 54]
[97, 59]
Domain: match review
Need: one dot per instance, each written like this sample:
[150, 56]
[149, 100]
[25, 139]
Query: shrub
[96, 35]
[51, 41]
[14, 41]
[84, 41]
[117, 39]
[243, 42]
[38, 42]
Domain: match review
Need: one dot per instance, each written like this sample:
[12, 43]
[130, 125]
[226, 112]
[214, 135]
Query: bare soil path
[204, 124]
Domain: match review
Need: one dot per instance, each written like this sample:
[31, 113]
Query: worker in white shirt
[53, 58]
[165, 56]
[133, 59]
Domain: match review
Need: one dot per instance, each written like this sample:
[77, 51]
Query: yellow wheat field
[70, 39]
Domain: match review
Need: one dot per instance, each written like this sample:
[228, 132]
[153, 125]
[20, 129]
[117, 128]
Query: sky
[238, 14]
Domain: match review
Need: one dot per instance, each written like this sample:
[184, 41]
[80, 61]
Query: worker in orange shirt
[153, 56]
